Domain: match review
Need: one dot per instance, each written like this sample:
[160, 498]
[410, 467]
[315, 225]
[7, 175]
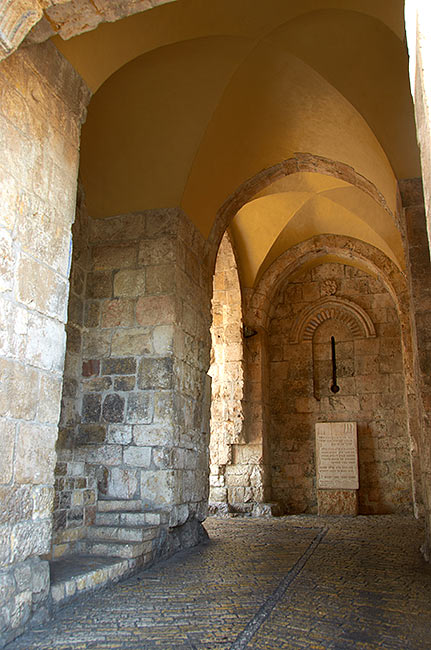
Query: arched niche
[361, 320]
[332, 308]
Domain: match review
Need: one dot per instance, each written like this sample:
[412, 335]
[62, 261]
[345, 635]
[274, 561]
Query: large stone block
[156, 310]
[133, 341]
[140, 408]
[137, 456]
[19, 396]
[7, 260]
[160, 279]
[16, 503]
[41, 288]
[163, 339]
[157, 251]
[30, 538]
[7, 437]
[121, 256]
[129, 283]
[158, 487]
[99, 284]
[35, 453]
[122, 483]
[117, 313]
[113, 408]
[49, 399]
[155, 373]
[149, 435]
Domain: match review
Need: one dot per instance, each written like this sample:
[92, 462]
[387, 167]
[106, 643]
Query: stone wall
[142, 428]
[41, 108]
[419, 273]
[75, 487]
[372, 391]
[227, 383]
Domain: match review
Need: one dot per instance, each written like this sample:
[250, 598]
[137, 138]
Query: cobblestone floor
[277, 584]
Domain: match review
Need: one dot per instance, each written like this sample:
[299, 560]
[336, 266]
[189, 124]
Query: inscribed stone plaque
[337, 456]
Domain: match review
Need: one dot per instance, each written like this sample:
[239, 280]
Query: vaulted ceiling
[194, 98]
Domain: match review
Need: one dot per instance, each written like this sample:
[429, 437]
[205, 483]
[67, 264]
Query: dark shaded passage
[297, 582]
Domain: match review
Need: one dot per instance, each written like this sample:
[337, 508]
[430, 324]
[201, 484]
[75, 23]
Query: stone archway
[262, 305]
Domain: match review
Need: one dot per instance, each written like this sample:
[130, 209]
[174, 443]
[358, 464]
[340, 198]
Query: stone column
[418, 33]
[41, 109]
[145, 395]
[419, 275]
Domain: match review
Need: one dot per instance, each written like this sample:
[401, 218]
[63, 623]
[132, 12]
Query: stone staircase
[122, 529]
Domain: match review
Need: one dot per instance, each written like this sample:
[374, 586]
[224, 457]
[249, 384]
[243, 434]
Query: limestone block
[43, 502]
[151, 435]
[9, 199]
[97, 384]
[41, 288]
[35, 455]
[99, 284]
[7, 260]
[122, 483]
[91, 314]
[155, 373]
[49, 399]
[123, 228]
[157, 251]
[117, 313]
[155, 310]
[163, 336]
[7, 586]
[21, 608]
[16, 504]
[121, 256]
[120, 434]
[7, 443]
[91, 407]
[44, 233]
[45, 343]
[22, 575]
[96, 343]
[129, 283]
[30, 538]
[162, 223]
[113, 408]
[5, 545]
[157, 487]
[139, 408]
[137, 456]
[164, 409]
[136, 341]
[218, 495]
[125, 384]
[100, 455]
[160, 279]
[163, 458]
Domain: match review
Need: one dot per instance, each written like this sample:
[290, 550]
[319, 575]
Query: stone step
[119, 505]
[108, 548]
[123, 534]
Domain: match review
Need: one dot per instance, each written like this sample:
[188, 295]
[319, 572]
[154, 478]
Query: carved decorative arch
[341, 309]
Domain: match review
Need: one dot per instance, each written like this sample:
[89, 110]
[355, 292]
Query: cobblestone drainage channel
[244, 637]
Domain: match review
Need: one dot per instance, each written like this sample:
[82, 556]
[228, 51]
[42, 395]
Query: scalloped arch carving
[346, 311]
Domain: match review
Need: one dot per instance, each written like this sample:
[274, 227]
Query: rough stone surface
[38, 180]
[368, 370]
[136, 421]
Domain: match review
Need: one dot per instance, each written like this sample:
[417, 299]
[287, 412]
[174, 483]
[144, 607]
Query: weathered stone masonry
[42, 105]
[140, 428]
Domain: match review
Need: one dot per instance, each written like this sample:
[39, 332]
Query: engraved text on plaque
[337, 456]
